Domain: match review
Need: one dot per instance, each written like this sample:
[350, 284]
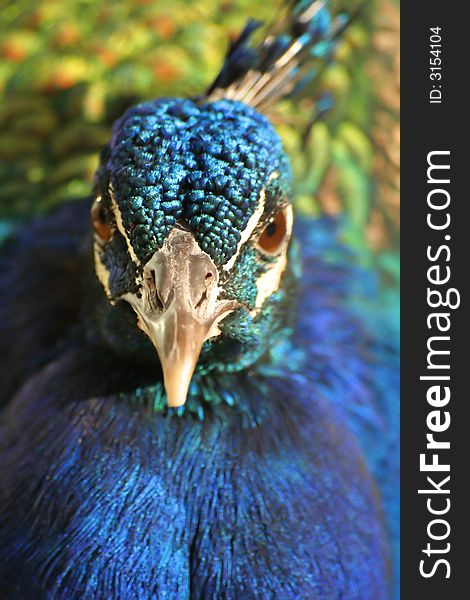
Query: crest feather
[294, 47]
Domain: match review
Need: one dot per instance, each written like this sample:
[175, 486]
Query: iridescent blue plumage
[271, 498]
[175, 159]
[277, 478]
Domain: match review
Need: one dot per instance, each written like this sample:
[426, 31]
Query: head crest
[293, 50]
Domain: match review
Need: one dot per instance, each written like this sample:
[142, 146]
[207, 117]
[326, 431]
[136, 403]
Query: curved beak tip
[176, 390]
[177, 376]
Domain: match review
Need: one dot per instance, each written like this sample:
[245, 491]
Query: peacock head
[192, 223]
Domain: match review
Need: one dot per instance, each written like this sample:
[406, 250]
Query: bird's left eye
[274, 233]
[100, 220]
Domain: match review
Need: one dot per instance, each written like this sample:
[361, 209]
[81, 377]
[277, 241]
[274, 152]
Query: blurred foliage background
[69, 69]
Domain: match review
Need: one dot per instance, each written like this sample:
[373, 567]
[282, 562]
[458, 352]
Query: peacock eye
[274, 233]
[100, 220]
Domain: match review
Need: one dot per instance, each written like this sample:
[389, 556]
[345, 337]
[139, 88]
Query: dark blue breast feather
[101, 499]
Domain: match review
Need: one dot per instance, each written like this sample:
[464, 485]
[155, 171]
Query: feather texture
[278, 477]
[293, 49]
[271, 499]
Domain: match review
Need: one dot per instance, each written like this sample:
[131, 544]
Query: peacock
[199, 388]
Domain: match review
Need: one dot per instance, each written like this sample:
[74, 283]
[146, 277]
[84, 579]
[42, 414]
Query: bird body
[266, 495]
[254, 457]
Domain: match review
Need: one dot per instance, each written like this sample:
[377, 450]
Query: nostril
[201, 300]
[150, 281]
[153, 291]
[201, 292]
[158, 301]
[150, 278]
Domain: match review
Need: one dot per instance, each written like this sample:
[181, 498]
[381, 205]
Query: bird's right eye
[100, 220]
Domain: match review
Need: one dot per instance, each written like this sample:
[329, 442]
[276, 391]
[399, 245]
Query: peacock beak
[179, 308]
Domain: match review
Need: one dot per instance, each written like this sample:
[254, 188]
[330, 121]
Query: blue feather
[278, 478]
[273, 497]
[292, 50]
